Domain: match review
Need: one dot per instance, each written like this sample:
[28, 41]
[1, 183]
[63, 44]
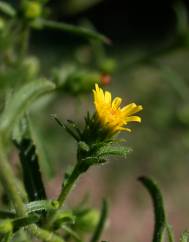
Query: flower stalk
[66, 188]
[69, 184]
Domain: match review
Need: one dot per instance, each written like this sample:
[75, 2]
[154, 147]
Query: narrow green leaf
[57, 120]
[42, 23]
[7, 9]
[7, 214]
[7, 237]
[72, 132]
[24, 221]
[101, 223]
[71, 232]
[113, 150]
[159, 211]
[41, 205]
[41, 150]
[31, 171]
[21, 101]
[75, 126]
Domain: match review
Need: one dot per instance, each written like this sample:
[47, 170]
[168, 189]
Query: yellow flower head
[109, 112]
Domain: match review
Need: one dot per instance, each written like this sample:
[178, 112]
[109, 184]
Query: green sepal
[71, 128]
[7, 9]
[159, 211]
[72, 132]
[83, 146]
[75, 126]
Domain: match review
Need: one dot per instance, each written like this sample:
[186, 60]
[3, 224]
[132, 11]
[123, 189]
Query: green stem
[9, 182]
[74, 30]
[66, 188]
[43, 234]
[69, 184]
[170, 233]
[24, 41]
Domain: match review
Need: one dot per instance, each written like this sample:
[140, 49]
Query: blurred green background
[150, 47]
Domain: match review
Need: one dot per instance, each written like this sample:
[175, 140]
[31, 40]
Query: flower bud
[108, 65]
[2, 24]
[32, 9]
[6, 226]
[89, 220]
[31, 67]
[81, 81]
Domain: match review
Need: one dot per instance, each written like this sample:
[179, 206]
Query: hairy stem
[69, 184]
[66, 188]
[43, 235]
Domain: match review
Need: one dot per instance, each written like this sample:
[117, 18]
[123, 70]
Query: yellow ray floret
[109, 112]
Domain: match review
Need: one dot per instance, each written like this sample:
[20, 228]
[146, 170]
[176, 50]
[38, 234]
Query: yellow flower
[109, 112]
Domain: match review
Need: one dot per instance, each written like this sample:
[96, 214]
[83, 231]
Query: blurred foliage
[157, 75]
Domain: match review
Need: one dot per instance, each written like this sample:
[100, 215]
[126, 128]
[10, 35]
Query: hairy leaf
[41, 205]
[113, 150]
[31, 170]
[7, 9]
[21, 101]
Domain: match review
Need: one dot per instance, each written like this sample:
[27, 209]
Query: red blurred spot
[105, 79]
